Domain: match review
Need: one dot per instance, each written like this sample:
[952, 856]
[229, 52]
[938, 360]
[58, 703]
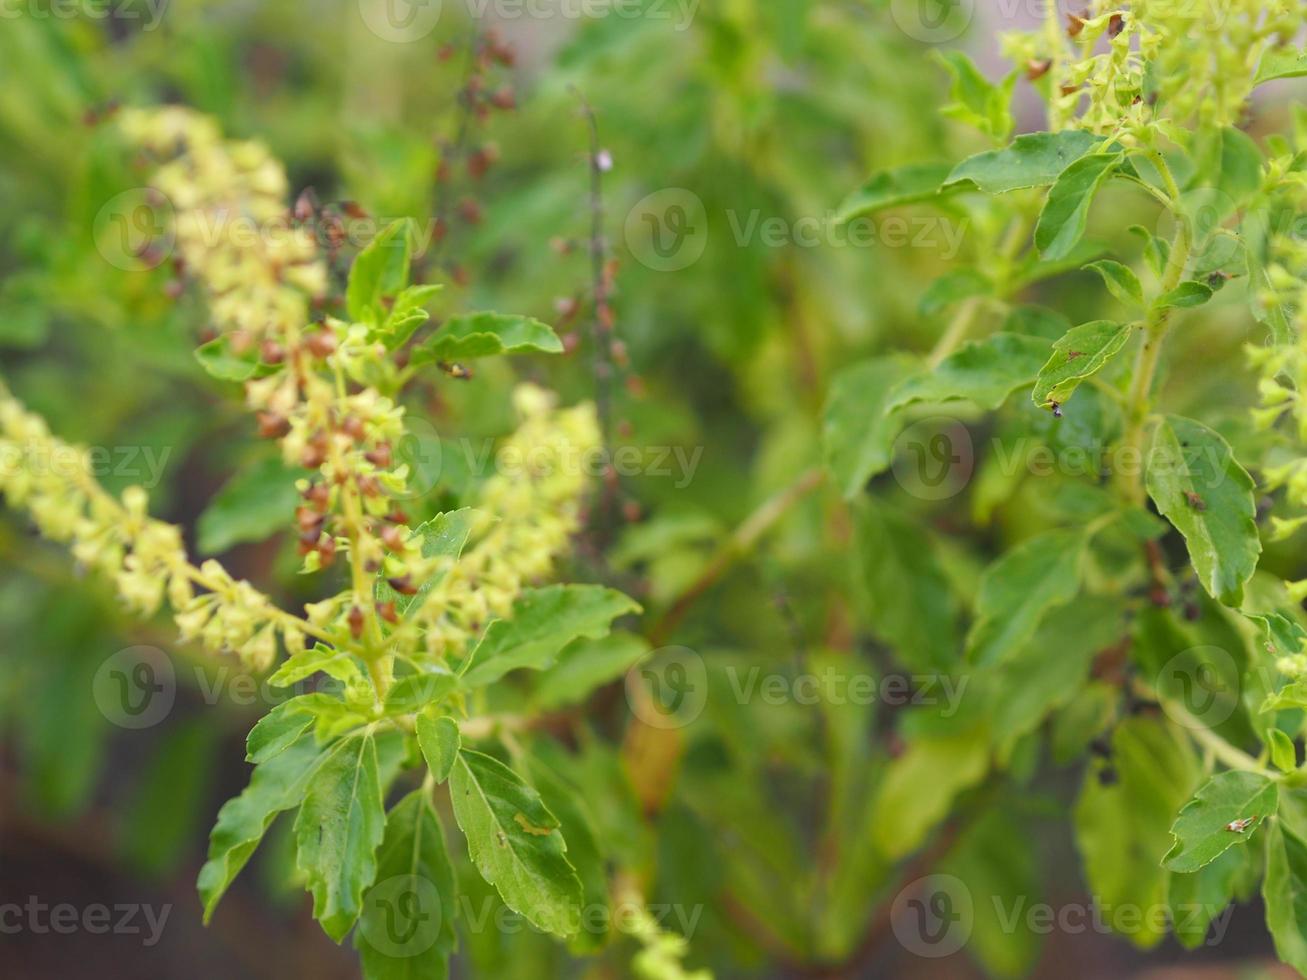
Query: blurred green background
[757, 116]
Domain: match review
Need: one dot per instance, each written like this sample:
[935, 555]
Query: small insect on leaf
[1239, 826]
[1057, 410]
[457, 371]
[1195, 501]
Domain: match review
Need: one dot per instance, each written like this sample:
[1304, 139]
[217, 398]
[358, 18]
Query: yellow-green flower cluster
[144, 557]
[1123, 66]
[533, 501]
[230, 223]
[1282, 363]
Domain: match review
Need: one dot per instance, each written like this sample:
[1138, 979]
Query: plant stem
[737, 545]
[1130, 482]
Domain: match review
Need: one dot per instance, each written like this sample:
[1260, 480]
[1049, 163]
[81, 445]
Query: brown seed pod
[271, 352]
[306, 205]
[355, 622]
[386, 610]
[272, 425]
[321, 343]
[1115, 25]
[380, 456]
[1037, 68]
[403, 584]
[1075, 23]
[314, 455]
[392, 538]
[318, 495]
[352, 426]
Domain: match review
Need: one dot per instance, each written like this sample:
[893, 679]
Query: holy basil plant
[1086, 471]
[386, 678]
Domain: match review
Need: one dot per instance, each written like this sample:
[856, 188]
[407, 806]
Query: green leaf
[951, 287]
[1284, 755]
[1004, 868]
[1284, 893]
[1123, 824]
[1017, 590]
[585, 665]
[858, 430]
[976, 100]
[920, 623]
[1197, 899]
[338, 830]
[444, 536]
[892, 188]
[1283, 62]
[278, 784]
[1120, 280]
[322, 658]
[1184, 296]
[1028, 686]
[406, 315]
[473, 335]
[406, 930]
[278, 730]
[439, 740]
[920, 785]
[984, 371]
[566, 799]
[253, 504]
[1214, 819]
[221, 362]
[1066, 212]
[1199, 487]
[544, 621]
[1031, 160]
[1080, 354]
[380, 270]
[514, 842]
[416, 691]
